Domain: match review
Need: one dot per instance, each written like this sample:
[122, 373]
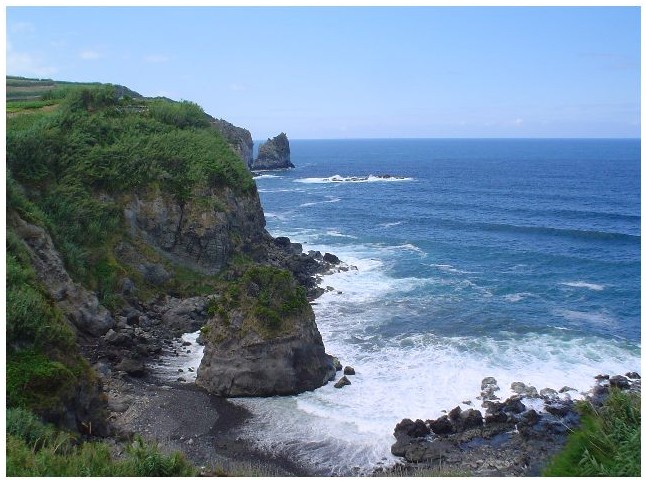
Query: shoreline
[183, 417]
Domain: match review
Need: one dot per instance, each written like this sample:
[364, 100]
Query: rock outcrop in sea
[512, 437]
[273, 154]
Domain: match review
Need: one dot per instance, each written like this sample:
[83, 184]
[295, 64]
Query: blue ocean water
[518, 259]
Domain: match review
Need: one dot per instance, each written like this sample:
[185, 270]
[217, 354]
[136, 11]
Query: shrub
[608, 443]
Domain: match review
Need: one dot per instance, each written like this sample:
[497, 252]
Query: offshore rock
[273, 154]
[242, 360]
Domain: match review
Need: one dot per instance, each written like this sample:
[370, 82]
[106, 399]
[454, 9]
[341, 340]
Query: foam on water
[349, 431]
[583, 284]
[265, 176]
[186, 356]
[341, 179]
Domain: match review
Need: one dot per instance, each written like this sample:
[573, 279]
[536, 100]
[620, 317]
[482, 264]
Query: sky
[355, 72]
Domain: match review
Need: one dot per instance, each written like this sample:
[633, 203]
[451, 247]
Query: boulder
[331, 258]
[132, 366]
[343, 381]
[526, 390]
[348, 370]
[441, 426]
[633, 376]
[620, 382]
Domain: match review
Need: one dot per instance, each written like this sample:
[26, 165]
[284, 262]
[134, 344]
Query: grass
[36, 450]
[608, 442]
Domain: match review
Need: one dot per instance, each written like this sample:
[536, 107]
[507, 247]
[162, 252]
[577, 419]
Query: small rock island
[273, 154]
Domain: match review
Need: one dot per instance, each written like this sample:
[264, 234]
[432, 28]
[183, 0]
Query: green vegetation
[36, 449]
[43, 364]
[269, 297]
[76, 162]
[608, 443]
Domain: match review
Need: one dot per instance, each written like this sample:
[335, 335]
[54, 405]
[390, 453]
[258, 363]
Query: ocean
[517, 259]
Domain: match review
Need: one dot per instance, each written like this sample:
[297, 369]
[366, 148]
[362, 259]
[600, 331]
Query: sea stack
[273, 154]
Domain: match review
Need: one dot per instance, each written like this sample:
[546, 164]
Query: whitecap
[265, 176]
[341, 179]
[330, 199]
[389, 225]
[516, 297]
[583, 284]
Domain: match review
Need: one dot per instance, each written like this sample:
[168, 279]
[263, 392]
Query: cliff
[239, 138]
[129, 221]
[273, 154]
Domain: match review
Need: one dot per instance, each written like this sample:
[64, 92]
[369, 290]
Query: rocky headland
[514, 437]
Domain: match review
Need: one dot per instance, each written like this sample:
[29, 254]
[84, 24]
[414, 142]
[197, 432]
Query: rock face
[79, 305]
[239, 138]
[273, 154]
[202, 233]
[240, 362]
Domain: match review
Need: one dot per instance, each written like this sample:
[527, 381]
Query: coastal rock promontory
[262, 339]
[273, 154]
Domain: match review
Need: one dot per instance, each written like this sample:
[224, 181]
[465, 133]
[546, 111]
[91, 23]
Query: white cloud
[518, 121]
[156, 58]
[27, 64]
[89, 55]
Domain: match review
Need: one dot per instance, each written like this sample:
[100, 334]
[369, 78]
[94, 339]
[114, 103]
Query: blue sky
[338, 72]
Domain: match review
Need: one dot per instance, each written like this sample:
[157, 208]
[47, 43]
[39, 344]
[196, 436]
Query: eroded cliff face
[239, 138]
[273, 154]
[202, 233]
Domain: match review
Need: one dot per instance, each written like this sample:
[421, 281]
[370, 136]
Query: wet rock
[434, 451]
[525, 390]
[343, 381]
[620, 382]
[454, 414]
[602, 377]
[513, 405]
[348, 370]
[633, 376]
[470, 418]
[548, 393]
[337, 364]
[567, 389]
[560, 409]
[488, 388]
[411, 429]
[441, 426]
[530, 417]
[331, 258]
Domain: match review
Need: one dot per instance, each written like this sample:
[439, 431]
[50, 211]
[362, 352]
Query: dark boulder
[620, 382]
[343, 381]
[133, 367]
[348, 370]
[331, 258]
[441, 426]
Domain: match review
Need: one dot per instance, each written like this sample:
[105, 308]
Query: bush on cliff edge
[608, 443]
